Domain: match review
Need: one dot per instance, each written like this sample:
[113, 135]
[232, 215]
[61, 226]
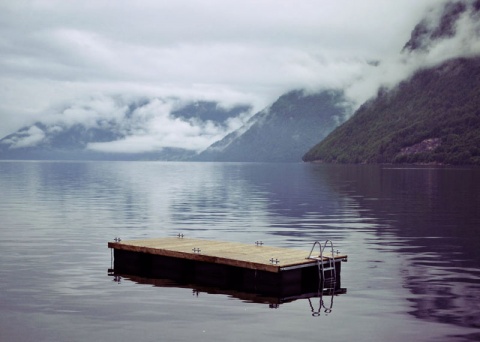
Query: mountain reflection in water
[434, 214]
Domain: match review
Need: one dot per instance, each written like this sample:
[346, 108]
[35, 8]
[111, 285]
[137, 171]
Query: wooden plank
[221, 252]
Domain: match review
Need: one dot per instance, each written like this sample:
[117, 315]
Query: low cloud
[142, 124]
[28, 138]
[390, 70]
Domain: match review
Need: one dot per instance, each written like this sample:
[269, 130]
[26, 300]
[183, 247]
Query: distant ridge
[61, 140]
[283, 131]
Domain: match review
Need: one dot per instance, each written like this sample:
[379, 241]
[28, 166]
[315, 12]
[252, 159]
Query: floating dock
[255, 268]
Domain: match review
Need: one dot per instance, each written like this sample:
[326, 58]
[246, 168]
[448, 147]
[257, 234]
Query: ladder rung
[323, 259]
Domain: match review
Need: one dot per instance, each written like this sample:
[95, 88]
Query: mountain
[430, 30]
[208, 111]
[67, 139]
[283, 131]
[434, 117]
[280, 133]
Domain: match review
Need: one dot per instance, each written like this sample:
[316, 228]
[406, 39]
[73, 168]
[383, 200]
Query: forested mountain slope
[434, 117]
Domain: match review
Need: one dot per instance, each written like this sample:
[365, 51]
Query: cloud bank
[152, 127]
[145, 125]
[57, 55]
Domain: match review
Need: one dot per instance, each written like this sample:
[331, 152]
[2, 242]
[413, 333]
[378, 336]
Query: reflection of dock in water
[320, 300]
[256, 272]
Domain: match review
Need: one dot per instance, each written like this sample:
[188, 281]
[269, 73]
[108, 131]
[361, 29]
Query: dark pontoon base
[286, 283]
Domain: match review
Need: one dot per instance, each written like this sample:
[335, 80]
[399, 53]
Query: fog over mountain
[65, 64]
[113, 128]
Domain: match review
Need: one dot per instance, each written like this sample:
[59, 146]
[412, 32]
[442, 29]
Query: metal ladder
[325, 264]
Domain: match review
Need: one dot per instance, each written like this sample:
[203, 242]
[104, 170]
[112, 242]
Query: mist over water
[411, 235]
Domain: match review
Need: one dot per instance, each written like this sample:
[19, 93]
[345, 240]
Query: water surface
[411, 233]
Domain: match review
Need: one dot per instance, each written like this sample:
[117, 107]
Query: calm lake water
[412, 235]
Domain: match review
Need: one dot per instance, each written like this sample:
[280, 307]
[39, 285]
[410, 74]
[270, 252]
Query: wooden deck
[255, 257]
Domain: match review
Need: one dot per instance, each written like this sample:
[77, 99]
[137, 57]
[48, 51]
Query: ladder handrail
[321, 249]
[321, 260]
[311, 251]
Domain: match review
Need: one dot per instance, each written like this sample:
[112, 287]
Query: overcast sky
[55, 53]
